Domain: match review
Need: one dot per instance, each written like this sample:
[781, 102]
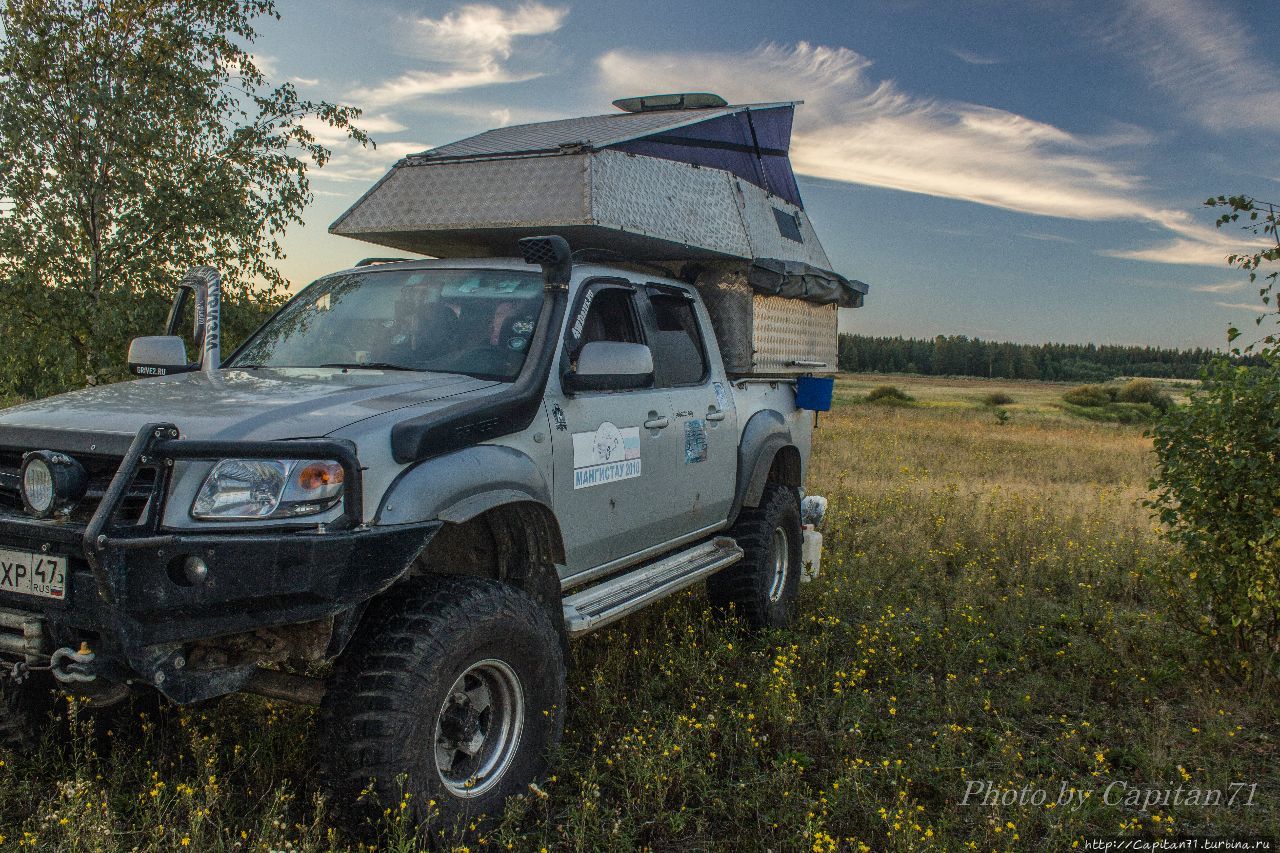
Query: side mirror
[611, 366]
[158, 355]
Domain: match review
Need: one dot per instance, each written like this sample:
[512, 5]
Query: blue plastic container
[814, 392]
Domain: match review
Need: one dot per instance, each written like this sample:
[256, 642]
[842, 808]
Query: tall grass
[982, 616]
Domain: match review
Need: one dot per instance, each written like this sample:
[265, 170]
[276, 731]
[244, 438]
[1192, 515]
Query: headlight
[268, 488]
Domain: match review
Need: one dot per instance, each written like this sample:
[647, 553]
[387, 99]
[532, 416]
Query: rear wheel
[451, 692]
[763, 586]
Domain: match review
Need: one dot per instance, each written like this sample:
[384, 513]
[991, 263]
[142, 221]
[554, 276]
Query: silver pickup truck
[431, 473]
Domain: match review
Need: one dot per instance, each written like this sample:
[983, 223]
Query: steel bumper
[129, 598]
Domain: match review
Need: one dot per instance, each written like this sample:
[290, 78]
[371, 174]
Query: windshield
[476, 322]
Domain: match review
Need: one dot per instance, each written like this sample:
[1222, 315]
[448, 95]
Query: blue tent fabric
[751, 144]
[773, 134]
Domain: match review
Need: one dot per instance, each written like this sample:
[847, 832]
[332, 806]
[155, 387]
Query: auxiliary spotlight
[51, 482]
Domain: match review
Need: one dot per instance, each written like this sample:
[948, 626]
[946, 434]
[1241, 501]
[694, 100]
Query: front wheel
[451, 693]
[25, 711]
[762, 587]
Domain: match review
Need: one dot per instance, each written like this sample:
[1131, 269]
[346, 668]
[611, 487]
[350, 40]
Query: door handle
[657, 423]
[715, 415]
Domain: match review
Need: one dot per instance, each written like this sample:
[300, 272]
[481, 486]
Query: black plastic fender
[463, 484]
[765, 433]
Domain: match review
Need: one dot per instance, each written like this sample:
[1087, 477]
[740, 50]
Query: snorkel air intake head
[552, 253]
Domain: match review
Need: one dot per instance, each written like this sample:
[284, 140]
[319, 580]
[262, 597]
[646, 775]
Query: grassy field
[983, 616]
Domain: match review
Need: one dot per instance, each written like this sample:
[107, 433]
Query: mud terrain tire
[442, 676]
[762, 587]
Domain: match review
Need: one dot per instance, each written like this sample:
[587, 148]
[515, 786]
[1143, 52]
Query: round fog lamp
[51, 482]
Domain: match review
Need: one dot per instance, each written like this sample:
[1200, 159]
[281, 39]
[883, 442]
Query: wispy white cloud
[353, 162]
[350, 163]
[971, 58]
[1255, 307]
[413, 85]
[1204, 59]
[1198, 245]
[856, 129]
[265, 65]
[305, 81]
[861, 130]
[375, 123]
[268, 65]
[468, 48]
[1220, 287]
[464, 50]
[1048, 238]
[480, 33]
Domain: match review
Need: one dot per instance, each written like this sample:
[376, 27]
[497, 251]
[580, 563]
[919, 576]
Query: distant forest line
[958, 355]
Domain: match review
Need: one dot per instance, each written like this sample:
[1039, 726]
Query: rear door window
[679, 357]
[611, 317]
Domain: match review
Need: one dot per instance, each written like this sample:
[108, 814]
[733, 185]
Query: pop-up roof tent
[686, 181]
[701, 181]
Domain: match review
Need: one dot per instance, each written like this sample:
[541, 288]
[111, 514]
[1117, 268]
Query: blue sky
[1023, 171]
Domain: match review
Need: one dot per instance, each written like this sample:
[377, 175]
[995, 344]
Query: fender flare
[765, 433]
[456, 488]
[461, 485]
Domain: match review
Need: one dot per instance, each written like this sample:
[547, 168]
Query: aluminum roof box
[707, 185]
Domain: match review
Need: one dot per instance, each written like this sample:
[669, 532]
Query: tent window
[788, 225]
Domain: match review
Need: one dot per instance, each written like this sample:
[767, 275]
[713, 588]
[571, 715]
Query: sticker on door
[605, 456]
[695, 441]
[722, 396]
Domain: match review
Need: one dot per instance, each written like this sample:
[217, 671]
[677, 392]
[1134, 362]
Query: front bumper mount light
[52, 483]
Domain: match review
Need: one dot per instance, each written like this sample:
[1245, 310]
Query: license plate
[29, 573]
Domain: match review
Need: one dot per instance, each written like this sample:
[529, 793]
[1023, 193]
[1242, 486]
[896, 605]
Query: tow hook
[73, 666]
[65, 665]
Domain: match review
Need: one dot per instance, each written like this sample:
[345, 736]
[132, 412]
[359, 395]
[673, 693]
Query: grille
[101, 470]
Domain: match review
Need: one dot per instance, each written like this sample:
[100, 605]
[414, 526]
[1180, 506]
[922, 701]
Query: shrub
[1089, 395]
[1216, 489]
[888, 394]
[997, 398]
[1117, 413]
[1145, 391]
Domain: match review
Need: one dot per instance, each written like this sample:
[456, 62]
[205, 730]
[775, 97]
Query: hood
[261, 405]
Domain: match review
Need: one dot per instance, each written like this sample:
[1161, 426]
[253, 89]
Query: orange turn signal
[319, 475]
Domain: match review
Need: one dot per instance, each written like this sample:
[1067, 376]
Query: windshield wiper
[370, 365]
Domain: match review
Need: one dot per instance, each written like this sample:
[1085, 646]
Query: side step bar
[597, 606]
